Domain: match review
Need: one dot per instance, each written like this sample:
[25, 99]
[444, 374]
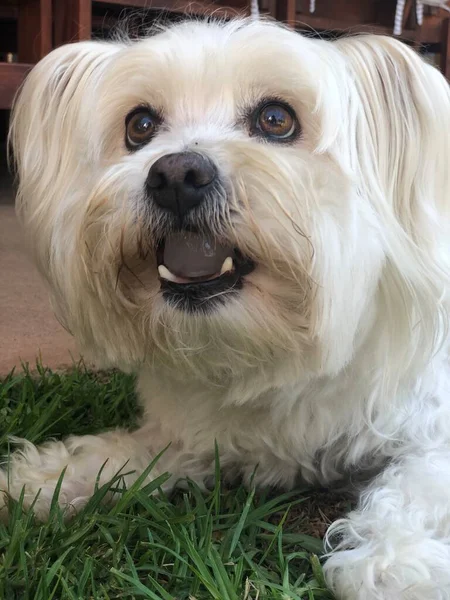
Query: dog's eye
[141, 126]
[276, 121]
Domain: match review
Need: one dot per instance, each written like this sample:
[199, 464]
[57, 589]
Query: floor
[28, 328]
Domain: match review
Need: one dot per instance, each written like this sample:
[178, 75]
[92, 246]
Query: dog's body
[319, 174]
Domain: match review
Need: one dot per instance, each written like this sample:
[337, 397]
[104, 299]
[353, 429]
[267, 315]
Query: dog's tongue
[190, 255]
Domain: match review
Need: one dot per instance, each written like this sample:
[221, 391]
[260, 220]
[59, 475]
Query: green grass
[224, 545]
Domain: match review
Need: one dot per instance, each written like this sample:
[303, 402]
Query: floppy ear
[48, 115]
[397, 130]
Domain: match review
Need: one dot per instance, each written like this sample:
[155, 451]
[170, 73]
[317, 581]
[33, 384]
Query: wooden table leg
[73, 20]
[34, 30]
[407, 14]
[272, 8]
[286, 11]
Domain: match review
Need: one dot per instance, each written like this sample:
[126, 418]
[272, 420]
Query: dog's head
[224, 199]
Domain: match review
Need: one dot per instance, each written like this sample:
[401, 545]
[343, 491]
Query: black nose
[179, 182]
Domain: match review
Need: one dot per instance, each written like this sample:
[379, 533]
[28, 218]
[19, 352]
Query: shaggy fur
[334, 354]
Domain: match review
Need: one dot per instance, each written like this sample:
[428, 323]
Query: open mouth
[196, 270]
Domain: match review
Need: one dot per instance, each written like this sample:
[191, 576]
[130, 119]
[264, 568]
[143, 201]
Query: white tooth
[227, 265]
[164, 273]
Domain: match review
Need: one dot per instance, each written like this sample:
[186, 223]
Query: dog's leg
[89, 460]
[396, 545]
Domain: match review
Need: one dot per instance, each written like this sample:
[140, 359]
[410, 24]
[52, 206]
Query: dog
[257, 224]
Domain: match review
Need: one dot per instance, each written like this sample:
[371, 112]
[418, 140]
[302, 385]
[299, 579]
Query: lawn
[225, 545]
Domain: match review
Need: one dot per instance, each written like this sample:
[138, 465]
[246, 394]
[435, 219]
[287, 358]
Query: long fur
[333, 358]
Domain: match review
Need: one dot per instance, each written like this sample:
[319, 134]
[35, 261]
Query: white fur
[334, 356]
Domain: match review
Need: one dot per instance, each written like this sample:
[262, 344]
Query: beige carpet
[28, 327]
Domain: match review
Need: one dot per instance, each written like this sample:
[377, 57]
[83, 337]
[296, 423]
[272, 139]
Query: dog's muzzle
[196, 270]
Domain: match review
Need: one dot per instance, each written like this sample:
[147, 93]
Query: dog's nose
[180, 182]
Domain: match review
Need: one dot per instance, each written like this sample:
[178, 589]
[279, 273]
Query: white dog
[257, 224]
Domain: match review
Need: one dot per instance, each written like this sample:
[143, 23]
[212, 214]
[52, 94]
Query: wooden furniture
[75, 19]
[368, 16]
[32, 21]
[11, 78]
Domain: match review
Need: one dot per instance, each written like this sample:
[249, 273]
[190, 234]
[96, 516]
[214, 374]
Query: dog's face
[199, 206]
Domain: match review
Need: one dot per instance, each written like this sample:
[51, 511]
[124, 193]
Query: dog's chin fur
[332, 357]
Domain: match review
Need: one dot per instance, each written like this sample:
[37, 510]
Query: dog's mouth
[195, 270]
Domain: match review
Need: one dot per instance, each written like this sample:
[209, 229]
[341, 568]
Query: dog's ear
[47, 117]
[50, 112]
[398, 129]
[400, 122]
[50, 115]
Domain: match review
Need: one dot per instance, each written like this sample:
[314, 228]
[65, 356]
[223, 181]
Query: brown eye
[141, 126]
[277, 122]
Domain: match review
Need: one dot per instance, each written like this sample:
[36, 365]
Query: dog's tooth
[164, 273]
[227, 265]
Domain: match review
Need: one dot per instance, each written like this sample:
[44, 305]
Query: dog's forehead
[218, 44]
[206, 59]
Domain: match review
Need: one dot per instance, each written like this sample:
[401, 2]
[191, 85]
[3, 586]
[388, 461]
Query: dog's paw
[35, 472]
[81, 463]
[395, 569]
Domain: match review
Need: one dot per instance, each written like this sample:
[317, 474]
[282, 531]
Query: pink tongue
[188, 254]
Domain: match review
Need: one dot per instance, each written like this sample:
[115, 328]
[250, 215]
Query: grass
[223, 545]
